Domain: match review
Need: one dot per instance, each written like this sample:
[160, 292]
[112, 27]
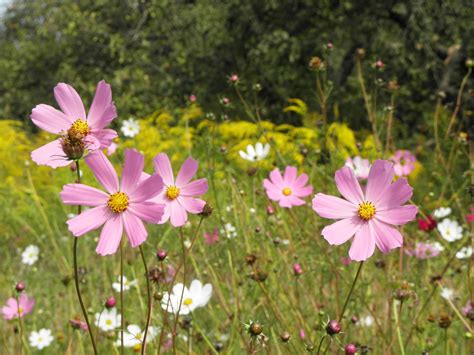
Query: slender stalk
[350, 292]
[183, 248]
[206, 339]
[76, 272]
[19, 323]
[458, 103]
[399, 333]
[148, 315]
[321, 344]
[122, 320]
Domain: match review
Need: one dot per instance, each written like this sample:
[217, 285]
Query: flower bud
[270, 210]
[333, 327]
[110, 302]
[444, 321]
[316, 63]
[285, 337]
[255, 329]
[250, 259]
[161, 254]
[360, 53]
[20, 287]
[350, 349]
[297, 269]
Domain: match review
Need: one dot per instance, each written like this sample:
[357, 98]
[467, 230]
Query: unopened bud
[285, 337]
[161, 254]
[20, 287]
[350, 349]
[110, 302]
[333, 327]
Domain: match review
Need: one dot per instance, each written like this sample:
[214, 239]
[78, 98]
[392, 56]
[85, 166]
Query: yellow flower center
[138, 336]
[79, 127]
[187, 301]
[286, 191]
[108, 322]
[118, 202]
[137, 347]
[366, 210]
[20, 310]
[172, 192]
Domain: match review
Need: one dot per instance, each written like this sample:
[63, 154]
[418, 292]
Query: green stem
[399, 333]
[148, 315]
[122, 325]
[19, 323]
[76, 273]
[321, 344]
[206, 339]
[350, 292]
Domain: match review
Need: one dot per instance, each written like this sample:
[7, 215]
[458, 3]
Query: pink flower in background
[112, 148]
[404, 162]
[345, 261]
[302, 334]
[360, 166]
[213, 237]
[178, 195]
[289, 188]
[13, 309]
[123, 206]
[78, 132]
[425, 250]
[470, 217]
[368, 214]
[192, 98]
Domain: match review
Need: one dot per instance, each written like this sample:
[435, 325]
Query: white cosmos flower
[41, 339]
[366, 321]
[447, 293]
[229, 231]
[256, 153]
[361, 167]
[464, 253]
[126, 284]
[130, 128]
[108, 319]
[196, 296]
[442, 212]
[450, 230]
[133, 337]
[30, 255]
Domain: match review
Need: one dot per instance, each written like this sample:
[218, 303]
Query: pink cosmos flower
[404, 162]
[13, 309]
[78, 131]
[178, 195]
[213, 237]
[123, 206]
[289, 188]
[368, 213]
[425, 250]
[360, 166]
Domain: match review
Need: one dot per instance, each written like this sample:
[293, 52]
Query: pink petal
[341, 231]
[295, 201]
[50, 154]
[69, 101]
[333, 207]
[398, 215]
[302, 191]
[163, 167]
[51, 120]
[178, 215]
[396, 195]
[290, 175]
[379, 180]
[110, 236]
[363, 244]
[300, 181]
[132, 169]
[79, 194]
[148, 211]
[191, 205]
[147, 189]
[285, 201]
[348, 185]
[89, 220]
[104, 136]
[195, 188]
[103, 170]
[386, 237]
[166, 213]
[277, 179]
[102, 110]
[134, 228]
[186, 173]
[273, 192]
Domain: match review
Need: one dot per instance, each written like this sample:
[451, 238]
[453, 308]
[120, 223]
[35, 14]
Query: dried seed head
[285, 337]
[255, 329]
[444, 321]
[206, 211]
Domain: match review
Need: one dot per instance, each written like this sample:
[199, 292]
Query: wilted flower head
[255, 153]
[196, 296]
[123, 207]
[404, 162]
[360, 166]
[13, 309]
[288, 189]
[369, 213]
[78, 132]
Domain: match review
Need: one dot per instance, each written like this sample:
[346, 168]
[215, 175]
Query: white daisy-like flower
[442, 212]
[30, 255]
[133, 337]
[450, 230]
[252, 210]
[126, 284]
[361, 167]
[366, 321]
[229, 231]
[256, 153]
[464, 253]
[447, 293]
[196, 296]
[130, 128]
[108, 319]
[41, 339]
